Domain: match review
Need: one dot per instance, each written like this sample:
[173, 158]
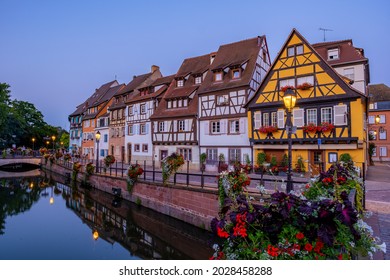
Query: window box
[268, 129]
[286, 88]
[304, 86]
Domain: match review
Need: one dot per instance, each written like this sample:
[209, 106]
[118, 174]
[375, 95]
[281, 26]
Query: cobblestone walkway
[384, 229]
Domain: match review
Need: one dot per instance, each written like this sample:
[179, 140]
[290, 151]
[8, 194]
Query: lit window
[222, 100]
[236, 73]
[180, 83]
[333, 54]
[143, 109]
[181, 125]
[218, 76]
[311, 116]
[198, 80]
[215, 127]
[234, 126]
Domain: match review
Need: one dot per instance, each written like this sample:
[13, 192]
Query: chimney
[154, 68]
[134, 77]
[212, 56]
[258, 41]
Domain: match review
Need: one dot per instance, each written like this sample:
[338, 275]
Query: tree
[4, 110]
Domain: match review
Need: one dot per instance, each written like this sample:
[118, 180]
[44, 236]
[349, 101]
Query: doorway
[129, 153]
[123, 153]
[316, 162]
[163, 154]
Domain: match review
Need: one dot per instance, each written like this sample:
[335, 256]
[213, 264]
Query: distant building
[379, 120]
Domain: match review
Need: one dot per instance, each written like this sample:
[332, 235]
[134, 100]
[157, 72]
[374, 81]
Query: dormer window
[333, 54]
[117, 100]
[236, 73]
[218, 76]
[198, 80]
[180, 83]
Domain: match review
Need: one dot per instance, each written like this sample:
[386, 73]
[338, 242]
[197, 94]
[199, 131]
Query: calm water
[42, 217]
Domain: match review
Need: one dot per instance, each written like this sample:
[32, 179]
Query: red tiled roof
[379, 92]
[234, 54]
[348, 53]
[135, 83]
[181, 92]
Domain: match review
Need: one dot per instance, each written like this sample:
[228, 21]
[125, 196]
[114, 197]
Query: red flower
[222, 233]
[296, 247]
[340, 257]
[308, 247]
[272, 251]
[299, 235]
[318, 247]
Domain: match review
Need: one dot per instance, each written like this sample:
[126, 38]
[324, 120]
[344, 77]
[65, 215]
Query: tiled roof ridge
[331, 42]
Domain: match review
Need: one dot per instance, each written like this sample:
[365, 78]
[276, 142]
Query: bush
[345, 158]
[261, 158]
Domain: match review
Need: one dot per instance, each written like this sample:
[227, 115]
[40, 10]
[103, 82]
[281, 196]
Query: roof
[163, 80]
[135, 83]
[148, 96]
[379, 92]
[233, 54]
[181, 92]
[348, 53]
[162, 112]
[194, 65]
[80, 110]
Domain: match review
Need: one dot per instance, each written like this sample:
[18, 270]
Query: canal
[44, 217]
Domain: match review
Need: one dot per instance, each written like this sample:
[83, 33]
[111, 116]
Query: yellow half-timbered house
[328, 118]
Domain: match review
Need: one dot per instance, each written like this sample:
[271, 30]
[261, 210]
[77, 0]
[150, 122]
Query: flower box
[304, 86]
[286, 88]
[268, 129]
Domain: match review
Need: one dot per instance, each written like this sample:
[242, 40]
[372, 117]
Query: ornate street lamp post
[97, 137]
[289, 99]
[54, 139]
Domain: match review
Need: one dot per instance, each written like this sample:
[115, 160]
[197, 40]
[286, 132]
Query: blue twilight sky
[55, 53]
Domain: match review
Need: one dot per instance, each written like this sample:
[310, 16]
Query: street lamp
[97, 137]
[377, 119]
[53, 138]
[33, 140]
[289, 99]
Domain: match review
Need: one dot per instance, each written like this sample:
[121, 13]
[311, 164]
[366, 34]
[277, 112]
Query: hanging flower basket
[170, 165]
[304, 86]
[133, 172]
[42, 151]
[268, 129]
[286, 88]
[108, 160]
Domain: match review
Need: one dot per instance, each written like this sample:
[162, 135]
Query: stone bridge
[19, 160]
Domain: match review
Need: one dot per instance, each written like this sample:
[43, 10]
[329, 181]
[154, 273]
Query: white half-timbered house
[175, 121]
[236, 72]
[139, 108]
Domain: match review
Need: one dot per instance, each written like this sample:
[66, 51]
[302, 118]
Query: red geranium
[299, 235]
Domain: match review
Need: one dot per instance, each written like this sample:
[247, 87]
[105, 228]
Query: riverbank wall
[194, 205]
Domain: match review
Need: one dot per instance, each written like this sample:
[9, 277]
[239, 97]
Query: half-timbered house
[117, 112]
[236, 72]
[328, 119]
[76, 129]
[140, 107]
[174, 122]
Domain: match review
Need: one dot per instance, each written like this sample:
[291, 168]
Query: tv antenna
[324, 29]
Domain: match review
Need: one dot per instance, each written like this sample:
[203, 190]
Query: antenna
[324, 29]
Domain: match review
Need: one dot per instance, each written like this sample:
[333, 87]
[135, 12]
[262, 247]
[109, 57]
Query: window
[234, 126]
[373, 134]
[371, 119]
[105, 138]
[311, 116]
[102, 152]
[349, 73]
[290, 51]
[143, 128]
[198, 80]
[374, 152]
[115, 114]
[266, 119]
[234, 155]
[212, 156]
[257, 119]
[86, 123]
[174, 103]
[287, 82]
[299, 49]
[143, 108]
[274, 119]
[161, 127]
[187, 153]
[181, 125]
[373, 105]
[382, 151]
[326, 114]
[112, 132]
[217, 76]
[120, 113]
[222, 100]
[180, 83]
[130, 130]
[305, 79]
[382, 118]
[236, 73]
[332, 157]
[185, 102]
[215, 127]
[382, 134]
[123, 131]
[333, 54]
[136, 147]
[131, 110]
[145, 148]
[169, 104]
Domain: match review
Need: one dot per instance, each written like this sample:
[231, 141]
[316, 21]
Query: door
[316, 162]
[129, 153]
[123, 153]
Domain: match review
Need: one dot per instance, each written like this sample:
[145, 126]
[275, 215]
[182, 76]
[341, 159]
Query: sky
[54, 54]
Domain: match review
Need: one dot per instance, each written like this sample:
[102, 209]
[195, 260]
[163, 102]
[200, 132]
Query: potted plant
[133, 172]
[260, 160]
[109, 160]
[203, 157]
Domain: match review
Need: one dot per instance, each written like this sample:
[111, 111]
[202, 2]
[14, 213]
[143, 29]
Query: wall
[192, 205]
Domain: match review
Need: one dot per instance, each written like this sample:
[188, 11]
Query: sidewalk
[378, 202]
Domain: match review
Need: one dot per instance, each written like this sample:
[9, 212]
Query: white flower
[382, 247]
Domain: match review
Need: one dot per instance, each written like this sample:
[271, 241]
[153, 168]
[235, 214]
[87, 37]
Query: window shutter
[242, 126]
[298, 117]
[257, 119]
[206, 128]
[186, 125]
[340, 114]
[146, 128]
[136, 129]
[280, 118]
[223, 126]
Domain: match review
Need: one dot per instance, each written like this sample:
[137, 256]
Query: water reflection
[144, 233]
